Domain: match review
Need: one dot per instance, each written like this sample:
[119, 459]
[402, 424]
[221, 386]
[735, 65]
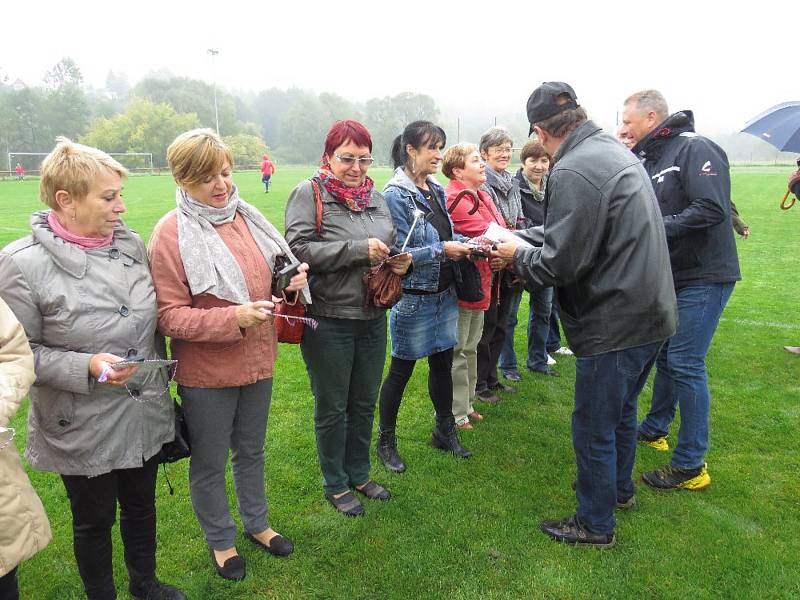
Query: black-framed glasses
[349, 160]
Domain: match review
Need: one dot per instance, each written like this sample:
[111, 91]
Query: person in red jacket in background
[20, 170]
[466, 170]
[267, 169]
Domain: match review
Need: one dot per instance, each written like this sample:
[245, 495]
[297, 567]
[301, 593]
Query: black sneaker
[673, 478]
[155, 590]
[570, 530]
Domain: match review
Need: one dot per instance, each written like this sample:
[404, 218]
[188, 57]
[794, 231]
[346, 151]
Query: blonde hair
[72, 167]
[456, 158]
[197, 154]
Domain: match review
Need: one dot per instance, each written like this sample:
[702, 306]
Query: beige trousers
[465, 362]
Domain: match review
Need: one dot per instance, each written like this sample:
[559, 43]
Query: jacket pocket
[55, 411]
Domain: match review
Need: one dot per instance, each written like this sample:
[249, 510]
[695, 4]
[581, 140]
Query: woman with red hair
[345, 354]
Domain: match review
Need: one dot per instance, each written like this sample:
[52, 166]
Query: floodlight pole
[213, 54]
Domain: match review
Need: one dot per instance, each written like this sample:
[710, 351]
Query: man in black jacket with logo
[604, 249]
[691, 179]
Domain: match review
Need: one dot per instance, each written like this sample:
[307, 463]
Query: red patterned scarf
[355, 198]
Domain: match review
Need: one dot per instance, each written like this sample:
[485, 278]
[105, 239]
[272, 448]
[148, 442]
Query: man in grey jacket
[605, 250]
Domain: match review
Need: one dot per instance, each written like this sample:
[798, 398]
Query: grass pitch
[469, 528]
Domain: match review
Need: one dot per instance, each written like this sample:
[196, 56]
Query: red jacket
[267, 167]
[19, 169]
[474, 226]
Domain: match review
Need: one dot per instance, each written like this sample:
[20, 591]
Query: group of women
[89, 296]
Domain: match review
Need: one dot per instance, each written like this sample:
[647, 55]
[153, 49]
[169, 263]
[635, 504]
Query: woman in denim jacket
[425, 321]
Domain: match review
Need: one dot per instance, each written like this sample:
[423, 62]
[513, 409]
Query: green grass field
[469, 528]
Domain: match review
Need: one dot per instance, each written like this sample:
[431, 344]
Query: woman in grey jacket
[80, 286]
[346, 352]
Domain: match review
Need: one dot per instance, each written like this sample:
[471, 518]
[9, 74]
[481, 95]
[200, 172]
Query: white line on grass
[761, 323]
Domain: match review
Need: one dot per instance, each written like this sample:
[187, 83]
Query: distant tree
[387, 117]
[192, 96]
[64, 73]
[66, 111]
[117, 85]
[304, 128]
[22, 126]
[143, 127]
[246, 149]
[270, 108]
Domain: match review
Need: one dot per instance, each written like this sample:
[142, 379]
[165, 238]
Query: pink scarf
[85, 243]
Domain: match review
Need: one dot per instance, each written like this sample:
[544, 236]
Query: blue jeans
[539, 328]
[604, 429]
[681, 378]
[538, 332]
[554, 337]
[508, 356]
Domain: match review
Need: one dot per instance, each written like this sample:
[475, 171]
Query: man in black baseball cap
[606, 252]
[548, 100]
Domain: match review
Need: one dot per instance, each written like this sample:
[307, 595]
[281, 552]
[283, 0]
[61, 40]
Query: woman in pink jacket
[466, 170]
[212, 260]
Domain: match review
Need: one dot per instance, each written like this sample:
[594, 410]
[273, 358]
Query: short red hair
[345, 131]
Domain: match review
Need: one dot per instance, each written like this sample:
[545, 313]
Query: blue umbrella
[779, 126]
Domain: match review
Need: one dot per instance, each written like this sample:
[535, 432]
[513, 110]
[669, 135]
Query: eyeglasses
[349, 160]
[503, 149]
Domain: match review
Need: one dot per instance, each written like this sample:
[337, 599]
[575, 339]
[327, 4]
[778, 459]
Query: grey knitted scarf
[210, 266]
[505, 193]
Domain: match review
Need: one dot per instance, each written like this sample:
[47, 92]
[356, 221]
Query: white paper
[498, 234]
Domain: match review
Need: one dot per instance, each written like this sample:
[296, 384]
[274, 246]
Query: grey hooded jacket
[604, 247]
[73, 304]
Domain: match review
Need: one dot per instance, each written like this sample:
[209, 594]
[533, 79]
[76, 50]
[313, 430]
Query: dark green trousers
[344, 358]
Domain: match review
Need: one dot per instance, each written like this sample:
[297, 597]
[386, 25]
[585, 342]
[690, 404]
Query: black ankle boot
[445, 437]
[387, 450]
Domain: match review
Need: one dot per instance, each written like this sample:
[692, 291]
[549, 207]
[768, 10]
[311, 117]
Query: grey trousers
[222, 419]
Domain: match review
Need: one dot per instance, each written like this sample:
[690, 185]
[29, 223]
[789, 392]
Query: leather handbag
[382, 287]
[468, 284]
[179, 448]
[289, 328]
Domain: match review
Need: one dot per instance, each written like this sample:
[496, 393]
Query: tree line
[147, 116]
[290, 124]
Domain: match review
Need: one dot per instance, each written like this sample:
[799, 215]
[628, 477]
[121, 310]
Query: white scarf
[209, 264]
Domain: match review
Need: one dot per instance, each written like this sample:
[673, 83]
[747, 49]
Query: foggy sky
[726, 63]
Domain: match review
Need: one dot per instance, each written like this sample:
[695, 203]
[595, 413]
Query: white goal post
[148, 159]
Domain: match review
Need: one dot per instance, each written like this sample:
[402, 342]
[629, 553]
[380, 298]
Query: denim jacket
[427, 250]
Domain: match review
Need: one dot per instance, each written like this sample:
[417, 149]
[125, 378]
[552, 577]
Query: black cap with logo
[543, 101]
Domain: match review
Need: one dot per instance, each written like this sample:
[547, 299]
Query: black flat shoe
[347, 504]
[233, 569]
[278, 545]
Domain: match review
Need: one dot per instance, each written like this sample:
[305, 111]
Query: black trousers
[8, 586]
[94, 508]
[440, 386]
[495, 319]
